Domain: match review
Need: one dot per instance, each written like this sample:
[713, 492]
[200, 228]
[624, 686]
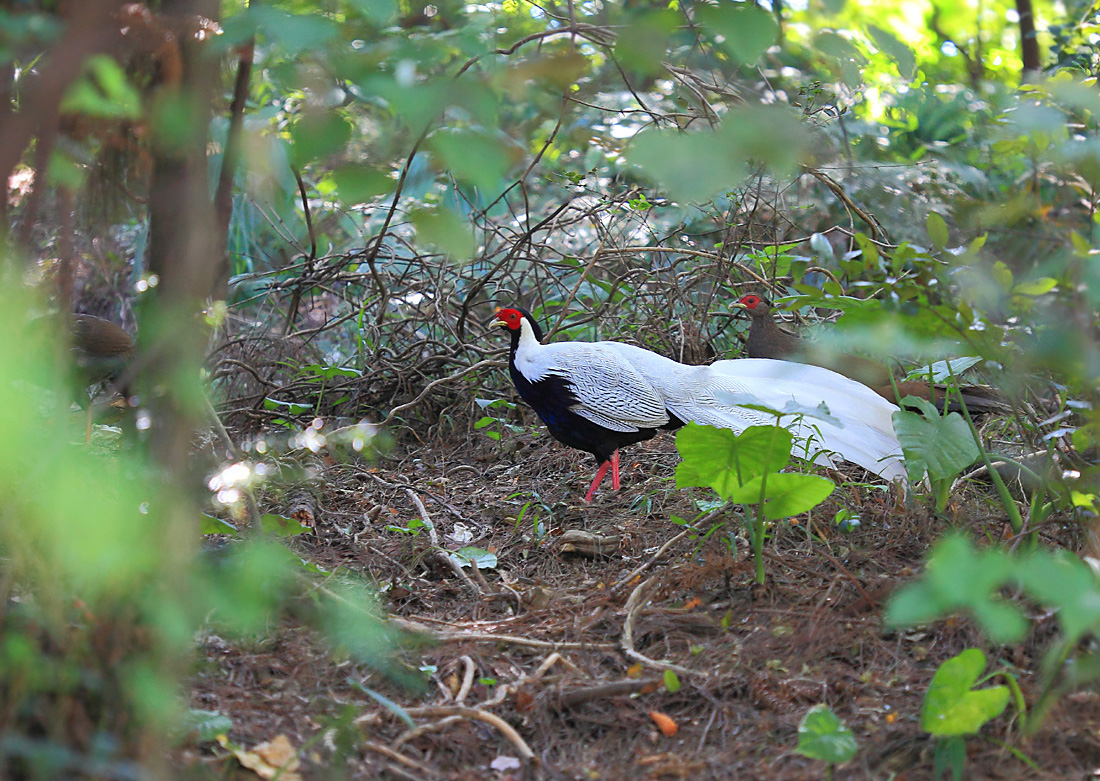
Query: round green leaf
[823, 736]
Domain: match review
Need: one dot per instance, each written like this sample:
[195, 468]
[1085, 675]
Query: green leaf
[940, 446]
[952, 706]
[103, 91]
[748, 30]
[895, 49]
[786, 494]
[208, 524]
[949, 755]
[1003, 276]
[474, 156]
[385, 702]
[940, 370]
[464, 557]
[823, 736]
[206, 725]
[960, 578]
[318, 135]
[937, 230]
[1035, 287]
[281, 526]
[722, 460]
[357, 183]
[686, 164]
[293, 32]
[672, 682]
[329, 372]
[446, 230]
[838, 47]
[1062, 581]
[382, 13]
[287, 407]
[694, 166]
[642, 45]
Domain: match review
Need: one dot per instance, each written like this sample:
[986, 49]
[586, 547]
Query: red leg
[615, 470]
[598, 479]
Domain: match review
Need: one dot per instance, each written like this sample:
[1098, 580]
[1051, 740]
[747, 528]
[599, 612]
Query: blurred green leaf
[672, 682]
[281, 526]
[475, 157]
[1065, 583]
[382, 13]
[694, 166]
[747, 30]
[901, 55]
[103, 91]
[958, 577]
[641, 45]
[446, 230]
[937, 230]
[357, 183]
[294, 33]
[316, 135]
[691, 166]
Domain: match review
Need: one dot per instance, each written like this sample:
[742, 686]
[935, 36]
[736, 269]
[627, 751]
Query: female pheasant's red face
[750, 301]
[509, 318]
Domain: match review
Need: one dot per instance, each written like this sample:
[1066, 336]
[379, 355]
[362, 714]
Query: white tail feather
[858, 426]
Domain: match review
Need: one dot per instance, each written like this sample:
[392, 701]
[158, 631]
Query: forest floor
[562, 653]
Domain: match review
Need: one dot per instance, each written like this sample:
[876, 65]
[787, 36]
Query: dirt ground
[550, 664]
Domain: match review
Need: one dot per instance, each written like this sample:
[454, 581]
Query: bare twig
[503, 727]
[633, 605]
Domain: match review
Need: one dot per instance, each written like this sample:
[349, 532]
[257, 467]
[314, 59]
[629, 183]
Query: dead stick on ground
[386, 751]
[646, 565]
[605, 691]
[437, 553]
[467, 679]
[503, 727]
[489, 637]
[424, 729]
[633, 605]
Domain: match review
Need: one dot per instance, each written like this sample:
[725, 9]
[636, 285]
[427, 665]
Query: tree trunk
[1029, 43]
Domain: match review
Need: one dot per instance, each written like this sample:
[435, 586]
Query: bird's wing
[609, 390]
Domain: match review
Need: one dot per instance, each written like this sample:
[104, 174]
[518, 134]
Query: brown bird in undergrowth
[767, 340]
[101, 349]
[101, 352]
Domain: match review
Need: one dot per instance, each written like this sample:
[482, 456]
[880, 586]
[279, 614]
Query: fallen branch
[386, 751]
[605, 691]
[467, 679]
[505, 729]
[633, 605]
[488, 637]
[437, 553]
[652, 560]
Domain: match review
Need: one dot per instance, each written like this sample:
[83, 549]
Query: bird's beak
[738, 305]
[497, 321]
